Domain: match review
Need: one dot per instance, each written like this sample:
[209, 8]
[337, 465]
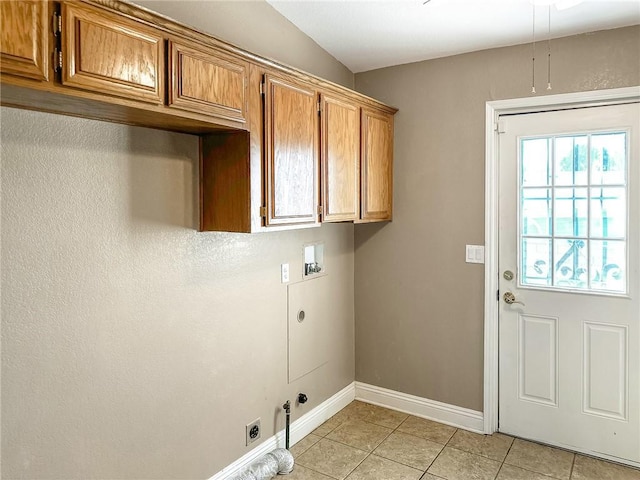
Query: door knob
[510, 299]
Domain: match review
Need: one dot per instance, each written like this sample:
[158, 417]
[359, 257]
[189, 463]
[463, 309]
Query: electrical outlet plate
[253, 431]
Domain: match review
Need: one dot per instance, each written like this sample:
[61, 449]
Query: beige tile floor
[366, 442]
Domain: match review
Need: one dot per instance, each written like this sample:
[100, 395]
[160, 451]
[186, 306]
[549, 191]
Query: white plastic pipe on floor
[278, 462]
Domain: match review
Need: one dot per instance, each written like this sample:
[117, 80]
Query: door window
[573, 212]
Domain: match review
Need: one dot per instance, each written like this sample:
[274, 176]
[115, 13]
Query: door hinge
[319, 107]
[500, 127]
[319, 209]
[57, 60]
[262, 88]
[263, 211]
[497, 295]
[57, 24]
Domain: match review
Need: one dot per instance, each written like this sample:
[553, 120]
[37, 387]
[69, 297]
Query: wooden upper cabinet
[24, 39]
[377, 166]
[291, 152]
[279, 148]
[207, 81]
[340, 159]
[111, 54]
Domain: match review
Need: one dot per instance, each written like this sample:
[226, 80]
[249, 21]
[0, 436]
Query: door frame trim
[493, 111]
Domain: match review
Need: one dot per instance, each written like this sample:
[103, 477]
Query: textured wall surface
[419, 306]
[132, 345]
[135, 347]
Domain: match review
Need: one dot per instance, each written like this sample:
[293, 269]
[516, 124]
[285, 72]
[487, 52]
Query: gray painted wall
[419, 306]
[132, 345]
[124, 331]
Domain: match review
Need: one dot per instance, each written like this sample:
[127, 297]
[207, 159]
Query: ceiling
[365, 35]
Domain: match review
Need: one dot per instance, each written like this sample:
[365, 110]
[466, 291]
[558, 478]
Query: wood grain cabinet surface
[207, 81]
[279, 148]
[107, 53]
[225, 182]
[24, 39]
[377, 166]
[340, 159]
[291, 124]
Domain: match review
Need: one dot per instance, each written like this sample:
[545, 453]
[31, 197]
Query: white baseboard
[421, 407]
[298, 430]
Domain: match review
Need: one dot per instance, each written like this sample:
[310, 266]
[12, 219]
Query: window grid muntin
[589, 186]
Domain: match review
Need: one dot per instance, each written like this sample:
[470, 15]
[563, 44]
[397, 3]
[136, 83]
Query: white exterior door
[569, 233]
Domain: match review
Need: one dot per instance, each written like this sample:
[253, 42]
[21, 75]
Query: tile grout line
[354, 468]
[533, 471]
[321, 473]
[434, 459]
[351, 446]
[400, 431]
[368, 453]
[397, 430]
[371, 452]
[394, 430]
[573, 463]
[341, 443]
[502, 463]
[439, 453]
[504, 460]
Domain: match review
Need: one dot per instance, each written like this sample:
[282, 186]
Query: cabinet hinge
[319, 209]
[263, 211]
[57, 24]
[497, 295]
[57, 60]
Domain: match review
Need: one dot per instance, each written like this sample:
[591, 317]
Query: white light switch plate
[475, 254]
[284, 273]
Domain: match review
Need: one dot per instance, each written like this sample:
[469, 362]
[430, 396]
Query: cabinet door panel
[340, 158]
[24, 39]
[106, 53]
[377, 166]
[208, 82]
[291, 141]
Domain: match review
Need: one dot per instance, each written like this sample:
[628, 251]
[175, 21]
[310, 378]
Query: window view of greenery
[573, 211]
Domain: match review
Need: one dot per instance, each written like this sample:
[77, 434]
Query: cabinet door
[340, 160]
[24, 39]
[208, 82]
[377, 166]
[291, 152]
[107, 53]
